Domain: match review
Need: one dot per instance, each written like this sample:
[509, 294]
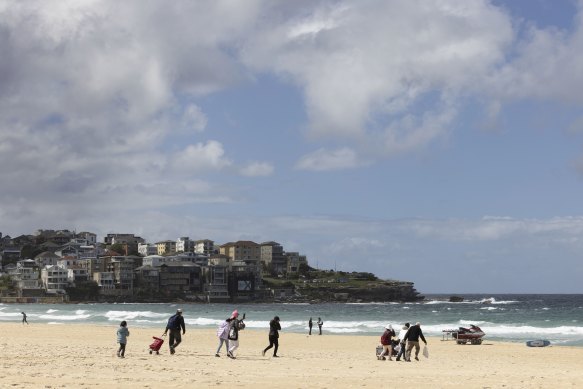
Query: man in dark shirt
[175, 324]
[412, 337]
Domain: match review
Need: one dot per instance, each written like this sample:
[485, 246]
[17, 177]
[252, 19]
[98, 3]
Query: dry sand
[77, 356]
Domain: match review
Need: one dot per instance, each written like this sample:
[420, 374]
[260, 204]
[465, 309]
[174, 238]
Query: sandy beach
[73, 356]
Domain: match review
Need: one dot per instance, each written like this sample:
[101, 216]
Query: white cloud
[322, 160]
[193, 119]
[365, 66]
[201, 157]
[255, 169]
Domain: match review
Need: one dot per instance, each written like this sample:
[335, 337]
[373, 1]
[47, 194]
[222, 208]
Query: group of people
[320, 323]
[402, 344]
[228, 334]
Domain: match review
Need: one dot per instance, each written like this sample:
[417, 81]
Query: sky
[438, 142]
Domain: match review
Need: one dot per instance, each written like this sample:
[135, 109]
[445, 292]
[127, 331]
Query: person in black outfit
[175, 323]
[24, 318]
[310, 325]
[412, 336]
[273, 336]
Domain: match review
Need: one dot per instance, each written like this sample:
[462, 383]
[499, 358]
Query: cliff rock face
[372, 292]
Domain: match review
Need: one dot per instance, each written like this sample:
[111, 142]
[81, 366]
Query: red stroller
[156, 344]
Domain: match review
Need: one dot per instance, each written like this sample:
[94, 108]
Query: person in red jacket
[386, 342]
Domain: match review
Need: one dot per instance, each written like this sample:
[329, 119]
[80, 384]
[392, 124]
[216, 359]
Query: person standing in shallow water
[274, 327]
[310, 326]
[24, 318]
[320, 324]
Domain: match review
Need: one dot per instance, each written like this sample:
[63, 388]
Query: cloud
[323, 160]
[364, 69]
[201, 157]
[256, 169]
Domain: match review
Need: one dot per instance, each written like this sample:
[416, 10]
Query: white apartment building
[146, 249]
[55, 278]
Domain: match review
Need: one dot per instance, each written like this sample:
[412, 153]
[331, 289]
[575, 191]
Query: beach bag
[425, 352]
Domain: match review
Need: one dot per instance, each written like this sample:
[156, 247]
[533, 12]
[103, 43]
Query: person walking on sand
[236, 326]
[310, 326]
[223, 334]
[122, 338]
[402, 342]
[412, 336]
[24, 318]
[386, 339]
[174, 325]
[274, 327]
[320, 324]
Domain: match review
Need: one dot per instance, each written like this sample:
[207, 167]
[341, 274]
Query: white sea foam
[132, 315]
[52, 310]
[64, 317]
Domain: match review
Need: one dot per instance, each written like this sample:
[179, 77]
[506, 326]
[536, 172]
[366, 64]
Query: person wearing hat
[386, 338]
[236, 326]
[412, 337]
[174, 325]
[402, 341]
[274, 327]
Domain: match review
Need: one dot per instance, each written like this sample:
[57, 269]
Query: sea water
[513, 318]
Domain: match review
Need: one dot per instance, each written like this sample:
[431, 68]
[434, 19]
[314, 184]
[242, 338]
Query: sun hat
[179, 310]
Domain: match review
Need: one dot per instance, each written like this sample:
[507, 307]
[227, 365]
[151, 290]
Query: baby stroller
[156, 345]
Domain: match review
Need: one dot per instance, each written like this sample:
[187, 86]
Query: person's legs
[401, 351]
[234, 345]
[409, 349]
[171, 341]
[384, 352]
[270, 345]
[122, 349]
[276, 345]
[417, 348]
[310, 331]
[221, 341]
[390, 351]
[177, 339]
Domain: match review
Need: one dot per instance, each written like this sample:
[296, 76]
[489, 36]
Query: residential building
[272, 258]
[180, 277]
[104, 280]
[166, 247]
[184, 245]
[46, 258]
[55, 279]
[242, 250]
[146, 249]
[204, 246]
[76, 273]
[27, 279]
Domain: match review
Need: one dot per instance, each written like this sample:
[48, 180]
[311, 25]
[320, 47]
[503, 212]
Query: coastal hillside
[331, 286]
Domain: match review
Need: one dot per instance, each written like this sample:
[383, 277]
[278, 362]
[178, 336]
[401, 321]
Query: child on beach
[223, 334]
[122, 338]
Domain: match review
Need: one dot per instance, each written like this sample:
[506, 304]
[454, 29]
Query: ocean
[511, 318]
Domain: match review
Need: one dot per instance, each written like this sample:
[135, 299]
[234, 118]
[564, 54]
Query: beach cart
[156, 345]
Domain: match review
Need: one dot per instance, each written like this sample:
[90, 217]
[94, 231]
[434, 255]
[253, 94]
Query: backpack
[173, 322]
